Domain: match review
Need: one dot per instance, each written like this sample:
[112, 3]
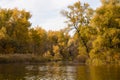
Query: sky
[45, 13]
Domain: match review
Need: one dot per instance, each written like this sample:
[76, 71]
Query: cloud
[45, 13]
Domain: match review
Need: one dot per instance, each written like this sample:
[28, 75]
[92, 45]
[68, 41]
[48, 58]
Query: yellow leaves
[71, 41]
[77, 4]
[62, 43]
[41, 32]
[52, 33]
[92, 53]
[78, 14]
[99, 42]
[118, 21]
[56, 49]
[116, 41]
[71, 7]
[86, 5]
[15, 14]
[116, 57]
[106, 16]
[82, 51]
[47, 55]
[106, 22]
[2, 32]
[109, 2]
[111, 33]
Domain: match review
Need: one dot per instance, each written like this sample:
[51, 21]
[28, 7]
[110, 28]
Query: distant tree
[38, 40]
[59, 39]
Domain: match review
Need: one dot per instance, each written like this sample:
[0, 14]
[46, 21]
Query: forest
[96, 37]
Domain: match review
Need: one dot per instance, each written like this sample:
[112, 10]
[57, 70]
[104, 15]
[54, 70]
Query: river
[58, 71]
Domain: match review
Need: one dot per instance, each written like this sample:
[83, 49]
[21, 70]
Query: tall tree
[79, 15]
[16, 22]
[106, 21]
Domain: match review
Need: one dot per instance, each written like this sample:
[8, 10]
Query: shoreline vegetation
[96, 37]
[31, 58]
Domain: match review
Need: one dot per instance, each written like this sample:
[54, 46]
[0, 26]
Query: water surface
[58, 71]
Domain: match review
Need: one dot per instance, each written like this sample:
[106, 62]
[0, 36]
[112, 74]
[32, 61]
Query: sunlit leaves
[2, 32]
[106, 23]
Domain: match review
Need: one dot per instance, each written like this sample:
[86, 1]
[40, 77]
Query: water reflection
[50, 71]
[58, 71]
[109, 72]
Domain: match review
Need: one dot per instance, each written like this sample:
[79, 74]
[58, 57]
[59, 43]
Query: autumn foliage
[96, 38]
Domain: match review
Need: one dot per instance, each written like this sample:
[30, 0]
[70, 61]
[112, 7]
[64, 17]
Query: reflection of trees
[12, 72]
[82, 73]
[58, 71]
[107, 72]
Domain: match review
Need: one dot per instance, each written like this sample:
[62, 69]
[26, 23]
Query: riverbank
[29, 58]
[21, 58]
[32, 58]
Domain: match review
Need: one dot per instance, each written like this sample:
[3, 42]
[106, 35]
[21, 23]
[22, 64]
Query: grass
[32, 58]
[21, 58]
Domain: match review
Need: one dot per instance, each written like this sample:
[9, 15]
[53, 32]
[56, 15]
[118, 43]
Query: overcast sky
[45, 13]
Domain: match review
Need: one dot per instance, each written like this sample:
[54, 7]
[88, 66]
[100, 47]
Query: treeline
[18, 37]
[96, 38]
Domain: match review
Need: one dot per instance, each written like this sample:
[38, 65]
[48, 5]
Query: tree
[38, 40]
[59, 39]
[106, 21]
[79, 15]
[16, 23]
